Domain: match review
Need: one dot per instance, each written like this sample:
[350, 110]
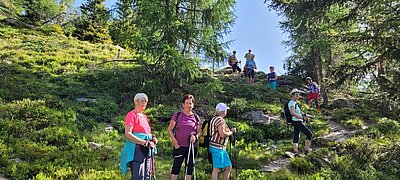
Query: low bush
[301, 166]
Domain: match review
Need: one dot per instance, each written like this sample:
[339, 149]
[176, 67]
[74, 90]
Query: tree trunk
[384, 110]
[324, 89]
[319, 73]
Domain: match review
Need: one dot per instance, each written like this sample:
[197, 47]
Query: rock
[276, 165]
[343, 103]
[17, 160]
[289, 154]
[86, 99]
[94, 145]
[108, 128]
[285, 82]
[256, 117]
[3, 178]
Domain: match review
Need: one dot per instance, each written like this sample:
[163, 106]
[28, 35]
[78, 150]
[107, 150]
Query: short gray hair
[140, 96]
[219, 112]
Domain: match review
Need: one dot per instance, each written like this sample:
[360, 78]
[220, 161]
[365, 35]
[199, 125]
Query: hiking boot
[295, 148]
[307, 147]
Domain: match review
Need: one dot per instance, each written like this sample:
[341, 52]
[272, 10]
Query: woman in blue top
[298, 123]
[271, 78]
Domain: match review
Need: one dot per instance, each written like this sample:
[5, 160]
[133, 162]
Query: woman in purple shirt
[187, 130]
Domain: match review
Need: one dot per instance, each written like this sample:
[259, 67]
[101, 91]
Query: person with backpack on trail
[218, 142]
[298, 123]
[272, 78]
[187, 128]
[140, 143]
[314, 92]
[233, 62]
[250, 67]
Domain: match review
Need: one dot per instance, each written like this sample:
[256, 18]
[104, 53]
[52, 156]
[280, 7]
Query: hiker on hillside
[298, 123]
[314, 92]
[220, 133]
[187, 130]
[250, 67]
[233, 62]
[272, 78]
[140, 142]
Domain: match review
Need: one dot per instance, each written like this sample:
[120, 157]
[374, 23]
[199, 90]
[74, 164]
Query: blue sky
[256, 28]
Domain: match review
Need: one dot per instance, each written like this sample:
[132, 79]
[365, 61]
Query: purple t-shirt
[184, 127]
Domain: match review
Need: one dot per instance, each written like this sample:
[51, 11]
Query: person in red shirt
[139, 141]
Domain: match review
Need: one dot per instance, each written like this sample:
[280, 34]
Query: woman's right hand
[175, 143]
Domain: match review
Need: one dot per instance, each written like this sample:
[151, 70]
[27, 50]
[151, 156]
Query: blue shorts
[272, 84]
[220, 158]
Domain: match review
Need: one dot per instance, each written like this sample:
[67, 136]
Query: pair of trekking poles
[191, 151]
[152, 163]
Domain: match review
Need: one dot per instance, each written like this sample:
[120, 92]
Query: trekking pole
[234, 152]
[153, 169]
[187, 160]
[194, 165]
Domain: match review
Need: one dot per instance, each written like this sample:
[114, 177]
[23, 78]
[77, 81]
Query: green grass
[43, 124]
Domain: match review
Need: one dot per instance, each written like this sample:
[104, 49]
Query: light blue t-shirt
[297, 110]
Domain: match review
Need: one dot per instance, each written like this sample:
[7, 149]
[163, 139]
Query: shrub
[354, 123]
[53, 28]
[388, 126]
[301, 165]
[238, 106]
[251, 174]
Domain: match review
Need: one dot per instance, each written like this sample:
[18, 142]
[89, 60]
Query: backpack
[230, 59]
[286, 112]
[205, 135]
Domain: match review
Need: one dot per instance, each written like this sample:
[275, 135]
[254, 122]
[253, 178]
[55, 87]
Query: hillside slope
[62, 110]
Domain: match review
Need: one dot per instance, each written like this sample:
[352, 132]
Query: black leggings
[300, 126]
[181, 154]
[235, 68]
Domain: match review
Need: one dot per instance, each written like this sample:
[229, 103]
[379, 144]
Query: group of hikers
[271, 77]
[185, 129]
[249, 69]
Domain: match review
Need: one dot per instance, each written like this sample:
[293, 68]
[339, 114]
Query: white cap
[221, 107]
[296, 91]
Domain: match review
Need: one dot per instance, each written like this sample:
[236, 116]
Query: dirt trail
[336, 133]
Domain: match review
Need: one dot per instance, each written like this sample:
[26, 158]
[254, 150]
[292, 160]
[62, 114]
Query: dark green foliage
[38, 11]
[92, 26]
[301, 165]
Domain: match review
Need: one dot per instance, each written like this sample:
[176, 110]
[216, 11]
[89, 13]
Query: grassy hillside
[57, 94]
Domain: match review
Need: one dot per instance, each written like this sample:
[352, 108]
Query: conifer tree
[93, 23]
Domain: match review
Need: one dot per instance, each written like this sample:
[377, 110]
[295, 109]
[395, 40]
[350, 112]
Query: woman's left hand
[193, 138]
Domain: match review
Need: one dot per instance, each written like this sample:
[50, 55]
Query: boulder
[17, 160]
[343, 103]
[108, 128]
[94, 145]
[257, 117]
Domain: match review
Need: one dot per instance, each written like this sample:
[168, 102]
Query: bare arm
[194, 137]
[171, 127]
[222, 131]
[131, 137]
